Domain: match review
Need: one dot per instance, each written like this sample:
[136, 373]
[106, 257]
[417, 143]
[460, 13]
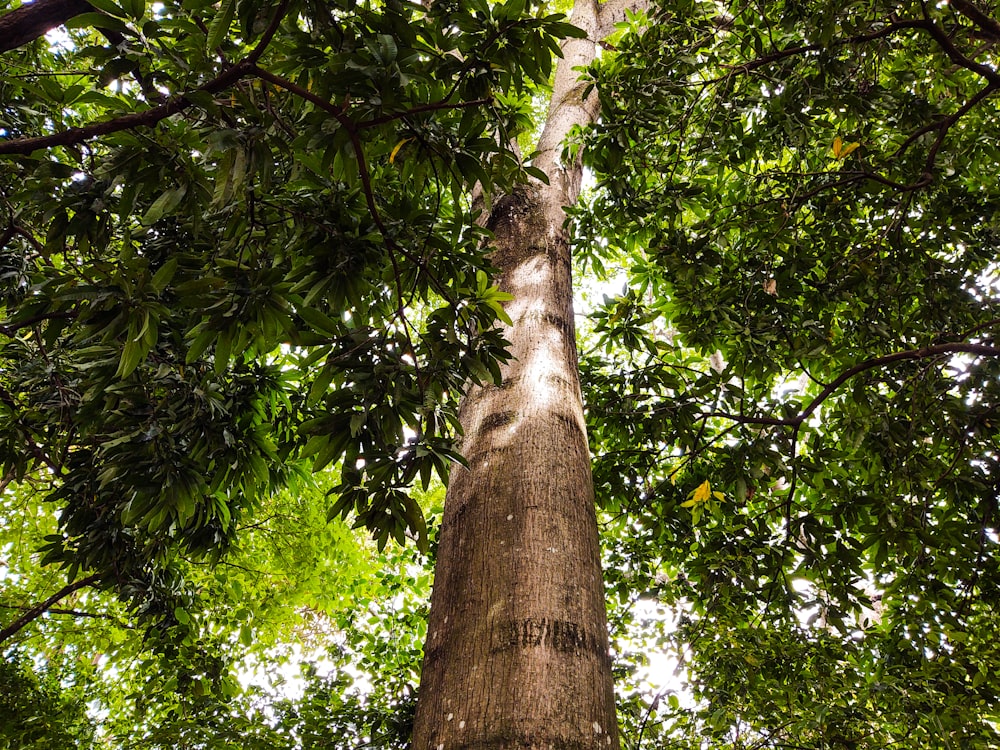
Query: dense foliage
[238, 244]
[795, 399]
[195, 307]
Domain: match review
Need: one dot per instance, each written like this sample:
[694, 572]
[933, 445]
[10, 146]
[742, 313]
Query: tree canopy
[793, 402]
[244, 281]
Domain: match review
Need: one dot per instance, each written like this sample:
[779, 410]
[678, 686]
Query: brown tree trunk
[517, 648]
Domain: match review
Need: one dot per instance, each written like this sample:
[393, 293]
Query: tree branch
[944, 123]
[38, 610]
[954, 54]
[73, 613]
[339, 113]
[989, 26]
[760, 62]
[981, 350]
[150, 117]
[433, 107]
[41, 456]
[27, 23]
[947, 123]
[11, 328]
[946, 45]
[925, 23]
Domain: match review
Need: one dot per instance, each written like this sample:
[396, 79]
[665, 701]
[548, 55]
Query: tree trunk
[517, 648]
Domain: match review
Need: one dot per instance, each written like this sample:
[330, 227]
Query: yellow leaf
[842, 151]
[392, 156]
[700, 494]
[848, 149]
[838, 145]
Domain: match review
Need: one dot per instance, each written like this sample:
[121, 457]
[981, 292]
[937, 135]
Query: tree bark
[27, 23]
[33, 613]
[517, 647]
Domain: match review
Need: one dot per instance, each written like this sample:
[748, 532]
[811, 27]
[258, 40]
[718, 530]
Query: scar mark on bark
[490, 452]
[509, 382]
[569, 420]
[556, 321]
[497, 420]
[543, 632]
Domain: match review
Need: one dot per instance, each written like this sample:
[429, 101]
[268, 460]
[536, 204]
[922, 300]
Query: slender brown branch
[7, 234]
[979, 327]
[904, 187]
[941, 126]
[953, 53]
[981, 350]
[339, 113]
[988, 25]
[149, 117]
[433, 107]
[36, 611]
[41, 456]
[760, 62]
[10, 329]
[72, 613]
[929, 128]
[269, 32]
[946, 45]
[949, 121]
[335, 110]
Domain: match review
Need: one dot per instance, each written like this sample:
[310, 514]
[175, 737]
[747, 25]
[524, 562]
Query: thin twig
[981, 350]
[39, 609]
[432, 107]
[150, 117]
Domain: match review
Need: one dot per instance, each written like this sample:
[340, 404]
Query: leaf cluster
[802, 197]
[239, 244]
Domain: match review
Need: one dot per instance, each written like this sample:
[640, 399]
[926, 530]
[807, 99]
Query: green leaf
[109, 7]
[223, 347]
[218, 29]
[133, 353]
[199, 345]
[98, 21]
[135, 8]
[319, 321]
[163, 276]
[165, 204]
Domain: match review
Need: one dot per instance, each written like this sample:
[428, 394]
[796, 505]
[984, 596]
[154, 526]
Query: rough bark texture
[27, 23]
[517, 648]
